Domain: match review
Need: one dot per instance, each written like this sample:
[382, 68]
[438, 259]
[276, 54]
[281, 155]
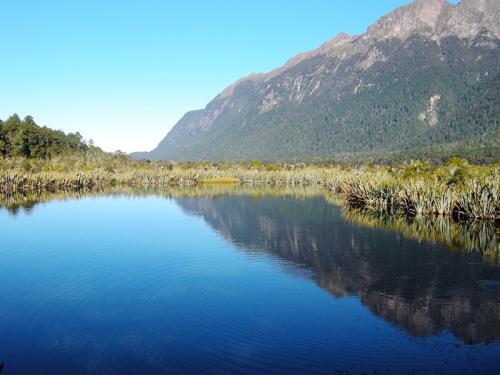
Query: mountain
[423, 80]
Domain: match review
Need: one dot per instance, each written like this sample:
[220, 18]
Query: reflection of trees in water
[419, 286]
[25, 201]
[467, 236]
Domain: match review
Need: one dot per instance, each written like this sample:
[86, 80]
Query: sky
[124, 72]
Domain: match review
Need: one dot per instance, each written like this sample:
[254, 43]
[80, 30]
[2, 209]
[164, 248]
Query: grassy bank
[456, 189]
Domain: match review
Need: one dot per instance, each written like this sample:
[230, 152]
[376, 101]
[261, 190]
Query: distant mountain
[423, 80]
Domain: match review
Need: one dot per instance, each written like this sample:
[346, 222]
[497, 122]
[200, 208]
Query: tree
[29, 120]
[25, 138]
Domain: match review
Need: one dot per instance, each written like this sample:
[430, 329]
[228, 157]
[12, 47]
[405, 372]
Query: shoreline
[464, 235]
[370, 188]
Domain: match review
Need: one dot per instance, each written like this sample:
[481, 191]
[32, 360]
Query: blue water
[234, 285]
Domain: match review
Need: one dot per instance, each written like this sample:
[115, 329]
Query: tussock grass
[457, 189]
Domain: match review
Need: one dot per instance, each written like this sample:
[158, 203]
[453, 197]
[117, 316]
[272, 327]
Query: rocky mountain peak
[430, 10]
[480, 14]
[434, 19]
[424, 16]
[336, 41]
[480, 5]
[330, 45]
[438, 19]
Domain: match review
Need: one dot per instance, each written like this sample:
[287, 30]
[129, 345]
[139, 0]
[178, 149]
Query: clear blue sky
[123, 72]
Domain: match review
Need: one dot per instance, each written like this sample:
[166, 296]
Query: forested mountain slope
[423, 80]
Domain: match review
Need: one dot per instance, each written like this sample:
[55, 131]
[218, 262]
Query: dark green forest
[25, 138]
[378, 114]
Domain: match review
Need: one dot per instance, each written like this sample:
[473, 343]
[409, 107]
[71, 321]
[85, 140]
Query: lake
[241, 281]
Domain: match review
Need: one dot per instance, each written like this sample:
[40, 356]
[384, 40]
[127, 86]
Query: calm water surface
[236, 284]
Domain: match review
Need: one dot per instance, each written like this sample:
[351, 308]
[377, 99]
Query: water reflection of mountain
[419, 286]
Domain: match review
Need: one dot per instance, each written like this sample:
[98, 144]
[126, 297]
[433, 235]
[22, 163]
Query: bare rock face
[422, 16]
[363, 94]
[430, 115]
[473, 17]
[438, 19]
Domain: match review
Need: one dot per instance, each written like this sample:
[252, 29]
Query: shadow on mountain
[416, 283]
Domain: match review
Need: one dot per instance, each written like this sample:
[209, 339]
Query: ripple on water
[163, 311]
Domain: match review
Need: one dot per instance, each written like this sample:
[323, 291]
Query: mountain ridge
[309, 100]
